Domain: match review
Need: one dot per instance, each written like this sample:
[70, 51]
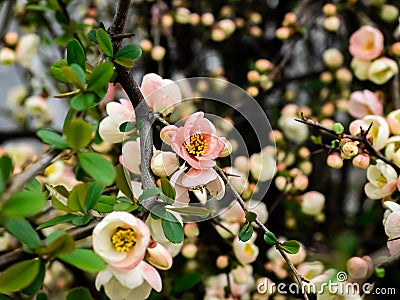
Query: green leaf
[6, 168]
[75, 54]
[19, 276]
[173, 230]
[130, 51]
[251, 216]
[98, 167]
[55, 221]
[35, 7]
[100, 76]
[104, 41]
[33, 186]
[127, 126]
[105, 204]
[80, 293]
[50, 137]
[23, 231]
[41, 296]
[122, 183]
[58, 242]
[158, 212]
[191, 210]
[270, 238]
[83, 101]
[185, 282]
[379, 272]
[72, 75]
[290, 246]
[92, 36]
[35, 286]
[84, 259]
[125, 207]
[149, 193]
[81, 220]
[79, 134]
[125, 62]
[58, 74]
[23, 204]
[80, 73]
[167, 188]
[338, 128]
[316, 139]
[94, 193]
[59, 197]
[77, 198]
[246, 232]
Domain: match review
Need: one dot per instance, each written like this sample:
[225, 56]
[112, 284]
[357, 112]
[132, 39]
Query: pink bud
[312, 203]
[159, 256]
[191, 230]
[164, 163]
[289, 19]
[357, 268]
[189, 251]
[395, 49]
[242, 163]
[361, 161]
[283, 33]
[222, 261]
[329, 9]
[167, 133]
[300, 182]
[334, 161]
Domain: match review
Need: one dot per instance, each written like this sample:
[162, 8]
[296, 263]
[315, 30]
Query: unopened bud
[207, 19]
[283, 33]
[252, 91]
[191, 230]
[11, 39]
[326, 77]
[332, 58]
[357, 268]
[7, 56]
[332, 23]
[189, 250]
[159, 256]
[227, 150]
[158, 53]
[329, 9]
[222, 261]
[167, 133]
[300, 182]
[361, 161]
[350, 149]
[395, 49]
[263, 65]
[146, 45]
[289, 19]
[164, 163]
[389, 13]
[334, 161]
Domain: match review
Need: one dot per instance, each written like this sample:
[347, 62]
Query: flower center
[381, 181]
[123, 239]
[197, 145]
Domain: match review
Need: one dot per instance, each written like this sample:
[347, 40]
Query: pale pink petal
[150, 83]
[129, 278]
[120, 113]
[109, 131]
[131, 156]
[216, 188]
[102, 277]
[198, 177]
[150, 274]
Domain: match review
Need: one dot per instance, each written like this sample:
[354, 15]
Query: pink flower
[134, 283]
[366, 43]
[118, 113]
[364, 103]
[121, 240]
[160, 94]
[195, 179]
[196, 142]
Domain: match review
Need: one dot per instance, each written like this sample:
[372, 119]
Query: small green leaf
[6, 168]
[50, 137]
[79, 134]
[72, 76]
[100, 76]
[379, 272]
[80, 293]
[80, 73]
[185, 282]
[125, 62]
[75, 54]
[58, 74]
[83, 101]
[59, 197]
[125, 207]
[19, 276]
[81, 220]
[246, 232]
[105, 204]
[55, 221]
[290, 246]
[173, 230]
[41, 296]
[24, 232]
[104, 41]
[35, 286]
[98, 167]
[270, 238]
[167, 188]
[130, 51]
[251, 216]
[84, 259]
[92, 36]
[94, 193]
[316, 139]
[127, 126]
[149, 193]
[338, 128]
[23, 204]
[191, 211]
[77, 198]
[35, 7]
[58, 242]
[158, 212]
[122, 183]
[33, 186]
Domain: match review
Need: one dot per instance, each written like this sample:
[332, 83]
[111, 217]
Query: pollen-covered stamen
[197, 145]
[123, 239]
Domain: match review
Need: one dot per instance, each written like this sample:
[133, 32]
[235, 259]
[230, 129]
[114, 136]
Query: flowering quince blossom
[121, 240]
[130, 157]
[245, 252]
[391, 223]
[393, 119]
[392, 149]
[382, 69]
[360, 68]
[364, 103]
[196, 142]
[366, 43]
[379, 130]
[312, 203]
[382, 180]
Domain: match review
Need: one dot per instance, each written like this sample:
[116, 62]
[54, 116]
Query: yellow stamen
[197, 145]
[381, 180]
[248, 249]
[123, 239]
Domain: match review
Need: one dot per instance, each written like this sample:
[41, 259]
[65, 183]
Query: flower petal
[151, 275]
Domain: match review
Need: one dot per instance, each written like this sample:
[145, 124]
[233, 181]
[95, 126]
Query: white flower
[262, 166]
[379, 130]
[393, 118]
[382, 180]
[27, 49]
[392, 150]
[312, 203]
[245, 252]
[382, 69]
[121, 240]
[136, 283]
[293, 130]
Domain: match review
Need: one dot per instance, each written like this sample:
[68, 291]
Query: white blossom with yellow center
[382, 180]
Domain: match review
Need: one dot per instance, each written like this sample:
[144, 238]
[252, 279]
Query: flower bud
[334, 161]
[289, 19]
[283, 33]
[395, 49]
[157, 53]
[158, 256]
[167, 133]
[343, 75]
[326, 77]
[361, 161]
[332, 58]
[194, 19]
[242, 163]
[357, 268]
[7, 56]
[329, 9]
[218, 35]
[167, 21]
[312, 203]
[304, 153]
[11, 39]
[263, 65]
[389, 13]
[255, 31]
[280, 182]
[189, 250]
[222, 261]
[255, 18]
[350, 149]
[382, 69]
[360, 68]
[276, 135]
[146, 45]
[182, 15]
[36, 105]
[240, 275]
[191, 230]
[306, 167]
[227, 26]
[227, 150]
[27, 49]
[300, 182]
[207, 19]
[252, 91]
[253, 76]
[164, 163]
[331, 23]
